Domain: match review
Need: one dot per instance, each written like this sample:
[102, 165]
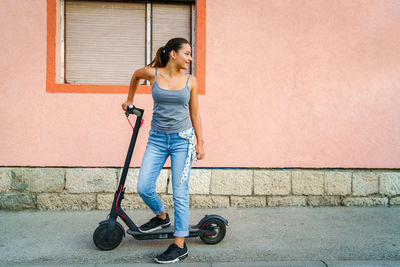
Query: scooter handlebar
[132, 110]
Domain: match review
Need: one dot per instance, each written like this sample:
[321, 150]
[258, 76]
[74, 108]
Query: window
[105, 41]
[98, 44]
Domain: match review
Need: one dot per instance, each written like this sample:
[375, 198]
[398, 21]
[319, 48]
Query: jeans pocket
[152, 132]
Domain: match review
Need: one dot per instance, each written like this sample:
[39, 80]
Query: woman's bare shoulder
[146, 73]
[192, 77]
[193, 81]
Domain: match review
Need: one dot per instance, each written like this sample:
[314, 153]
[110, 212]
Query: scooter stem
[116, 209]
[131, 146]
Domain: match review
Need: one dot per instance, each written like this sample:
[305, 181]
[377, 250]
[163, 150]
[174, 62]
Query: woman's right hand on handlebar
[126, 104]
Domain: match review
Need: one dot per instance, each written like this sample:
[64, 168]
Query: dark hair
[162, 55]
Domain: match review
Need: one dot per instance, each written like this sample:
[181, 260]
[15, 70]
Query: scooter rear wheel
[215, 231]
[108, 240]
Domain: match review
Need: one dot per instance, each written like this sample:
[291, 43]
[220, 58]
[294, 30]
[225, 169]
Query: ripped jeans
[159, 147]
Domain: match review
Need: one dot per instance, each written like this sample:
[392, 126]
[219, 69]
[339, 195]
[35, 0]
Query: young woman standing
[176, 119]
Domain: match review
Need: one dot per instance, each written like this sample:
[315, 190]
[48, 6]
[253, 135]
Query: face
[184, 56]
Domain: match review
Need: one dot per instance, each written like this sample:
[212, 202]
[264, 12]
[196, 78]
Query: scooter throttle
[132, 110]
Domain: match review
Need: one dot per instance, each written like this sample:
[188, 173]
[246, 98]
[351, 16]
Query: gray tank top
[171, 108]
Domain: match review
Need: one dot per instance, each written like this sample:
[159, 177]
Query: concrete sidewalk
[285, 236]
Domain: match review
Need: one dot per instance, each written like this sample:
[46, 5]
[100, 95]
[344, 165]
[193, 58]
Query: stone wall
[93, 188]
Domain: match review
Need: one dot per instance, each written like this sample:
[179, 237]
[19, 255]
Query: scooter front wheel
[106, 239]
[214, 231]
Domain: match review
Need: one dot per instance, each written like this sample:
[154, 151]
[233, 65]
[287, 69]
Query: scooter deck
[163, 233]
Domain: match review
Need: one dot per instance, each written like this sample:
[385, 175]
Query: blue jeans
[159, 147]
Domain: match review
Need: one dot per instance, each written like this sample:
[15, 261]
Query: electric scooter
[108, 235]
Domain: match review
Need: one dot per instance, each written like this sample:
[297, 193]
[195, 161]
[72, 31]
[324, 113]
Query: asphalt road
[285, 236]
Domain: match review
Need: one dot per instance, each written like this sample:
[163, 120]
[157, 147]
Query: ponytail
[162, 56]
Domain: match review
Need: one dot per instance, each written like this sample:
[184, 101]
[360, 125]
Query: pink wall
[288, 84]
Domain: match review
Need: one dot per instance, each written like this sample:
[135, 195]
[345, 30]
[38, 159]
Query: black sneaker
[155, 224]
[173, 254]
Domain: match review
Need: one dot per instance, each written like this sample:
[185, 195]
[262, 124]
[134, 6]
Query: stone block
[267, 182]
[38, 180]
[395, 201]
[365, 183]
[315, 201]
[131, 180]
[167, 201]
[338, 183]
[209, 202]
[308, 182]
[133, 202]
[130, 202]
[364, 201]
[65, 201]
[104, 201]
[91, 180]
[389, 183]
[17, 201]
[286, 201]
[248, 202]
[199, 182]
[231, 182]
[5, 179]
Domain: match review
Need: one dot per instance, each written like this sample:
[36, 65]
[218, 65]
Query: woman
[171, 134]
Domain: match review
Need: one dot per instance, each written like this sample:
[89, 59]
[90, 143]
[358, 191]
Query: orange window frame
[53, 87]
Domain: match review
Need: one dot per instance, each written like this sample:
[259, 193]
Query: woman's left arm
[195, 118]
